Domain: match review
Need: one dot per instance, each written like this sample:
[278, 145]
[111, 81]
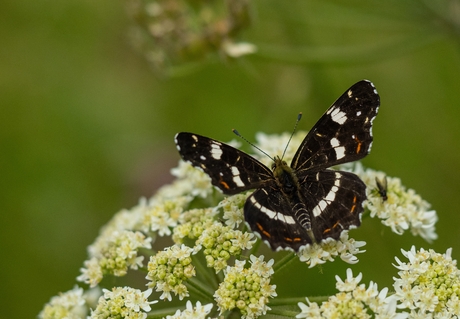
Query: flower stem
[203, 291]
[278, 266]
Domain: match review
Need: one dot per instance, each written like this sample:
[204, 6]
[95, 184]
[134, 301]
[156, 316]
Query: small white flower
[68, 305]
[236, 50]
[122, 302]
[313, 255]
[350, 283]
[191, 312]
[310, 311]
[192, 181]
[233, 209]
[328, 249]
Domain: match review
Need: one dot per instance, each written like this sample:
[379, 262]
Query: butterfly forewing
[344, 132]
[231, 170]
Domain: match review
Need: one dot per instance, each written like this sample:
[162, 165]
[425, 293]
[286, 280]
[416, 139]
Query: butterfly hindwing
[230, 169]
[334, 199]
[344, 133]
[283, 223]
[270, 215]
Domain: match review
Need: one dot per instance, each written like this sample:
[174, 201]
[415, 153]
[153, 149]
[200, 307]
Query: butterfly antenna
[293, 131]
[257, 148]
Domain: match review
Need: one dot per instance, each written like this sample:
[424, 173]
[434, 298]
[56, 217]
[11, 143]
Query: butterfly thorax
[287, 181]
[285, 177]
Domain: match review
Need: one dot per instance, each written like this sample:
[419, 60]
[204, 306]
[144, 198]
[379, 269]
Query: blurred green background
[87, 126]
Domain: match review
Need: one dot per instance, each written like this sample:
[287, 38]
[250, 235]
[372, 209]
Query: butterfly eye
[273, 166]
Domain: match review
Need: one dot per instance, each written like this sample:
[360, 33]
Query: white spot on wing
[335, 142]
[318, 209]
[236, 176]
[271, 214]
[372, 84]
[216, 151]
[339, 150]
[338, 116]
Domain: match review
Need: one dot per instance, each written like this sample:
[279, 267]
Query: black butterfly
[305, 202]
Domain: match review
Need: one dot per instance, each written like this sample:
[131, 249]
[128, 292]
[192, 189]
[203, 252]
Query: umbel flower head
[170, 33]
[428, 284]
[191, 246]
[353, 300]
[247, 289]
[402, 209]
[70, 304]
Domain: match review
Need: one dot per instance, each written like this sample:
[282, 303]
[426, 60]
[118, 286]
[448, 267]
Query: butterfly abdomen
[288, 182]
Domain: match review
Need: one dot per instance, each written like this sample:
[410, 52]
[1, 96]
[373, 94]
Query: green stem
[276, 302]
[204, 271]
[203, 291]
[283, 313]
[278, 266]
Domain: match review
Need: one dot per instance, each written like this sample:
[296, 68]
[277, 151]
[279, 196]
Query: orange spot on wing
[225, 185]
[266, 233]
[358, 147]
[354, 204]
[327, 230]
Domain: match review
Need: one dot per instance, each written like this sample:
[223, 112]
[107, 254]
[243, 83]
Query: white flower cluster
[402, 210]
[247, 289]
[123, 302]
[116, 249]
[114, 254]
[275, 144]
[203, 230]
[69, 305]
[428, 284]
[169, 269]
[353, 301]
[191, 312]
[345, 247]
[220, 242]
